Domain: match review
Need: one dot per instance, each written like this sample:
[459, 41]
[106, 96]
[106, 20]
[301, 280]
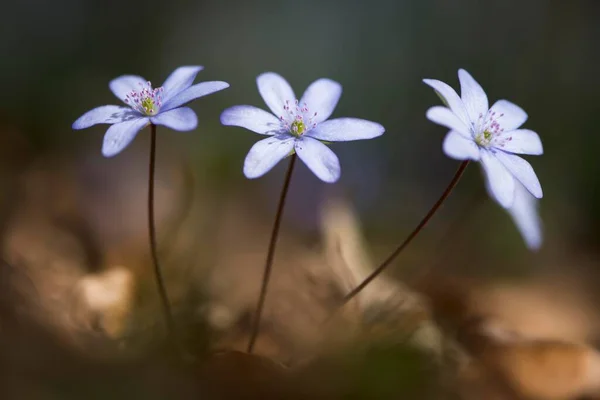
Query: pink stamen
[299, 113]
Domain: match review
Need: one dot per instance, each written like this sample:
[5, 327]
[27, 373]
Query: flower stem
[413, 234]
[271, 254]
[162, 291]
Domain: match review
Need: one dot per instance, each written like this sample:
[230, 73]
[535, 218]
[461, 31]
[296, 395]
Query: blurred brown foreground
[80, 318]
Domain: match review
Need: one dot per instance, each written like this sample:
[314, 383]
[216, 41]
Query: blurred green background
[543, 55]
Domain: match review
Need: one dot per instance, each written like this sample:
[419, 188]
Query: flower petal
[122, 85]
[513, 117]
[118, 136]
[500, 182]
[252, 118]
[194, 92]
[521, 170]
[524, 213]
[450, 99]
[180, 119]
[445, 117]
[105, 115]
[321, 97]
[266, 153]
[346, 129]
[520, 141]
[457, 147]
[275, 91]
[319, 158]
[179, 80]
[473, 95]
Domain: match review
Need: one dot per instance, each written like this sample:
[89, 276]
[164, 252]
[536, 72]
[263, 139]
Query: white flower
[298, 126]
[491, 136]
[147, 105]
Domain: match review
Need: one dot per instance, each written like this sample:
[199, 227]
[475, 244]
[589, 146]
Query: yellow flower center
[298, 127]
[149, 106]
[145, 100]
[484, 139]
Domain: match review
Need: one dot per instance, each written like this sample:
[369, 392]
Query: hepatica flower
[145, 105]
[489, 135]
[299, 126]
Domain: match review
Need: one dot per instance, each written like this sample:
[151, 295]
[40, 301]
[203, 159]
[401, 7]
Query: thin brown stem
[162, 291]
[413, 234]
[270, 255]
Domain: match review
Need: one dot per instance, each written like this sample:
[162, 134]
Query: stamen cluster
[146, 100]
[296, 114]
[490, 128]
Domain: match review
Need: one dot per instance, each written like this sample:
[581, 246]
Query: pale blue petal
[105, 115]
[118, 136]
[450, 99]
[194, 92]
[252, 118]
[179, 80]
[123, 85]
[346, 129]
[500, 182]
[457, 147]
[521, 170]
[520, 141]
[524, 213]
[180, 119]
[321, 97]
[473, 96]
[445, 117]
[510, 116]
[319, 159]
[266, 153]
[275, 91]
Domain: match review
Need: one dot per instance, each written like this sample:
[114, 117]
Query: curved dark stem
[270, 255]
[450, 241]
[162, 291]
[413, 234]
